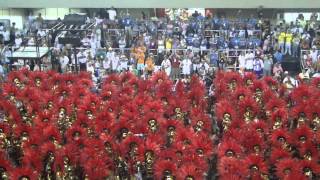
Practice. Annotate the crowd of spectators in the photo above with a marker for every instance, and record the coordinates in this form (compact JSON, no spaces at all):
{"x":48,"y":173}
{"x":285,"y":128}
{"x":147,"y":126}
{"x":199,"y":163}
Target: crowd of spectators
{"x":178,"y":45}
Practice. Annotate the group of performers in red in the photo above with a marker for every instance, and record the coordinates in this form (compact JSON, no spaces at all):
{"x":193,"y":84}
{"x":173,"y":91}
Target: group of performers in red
{"x":53,"y":126}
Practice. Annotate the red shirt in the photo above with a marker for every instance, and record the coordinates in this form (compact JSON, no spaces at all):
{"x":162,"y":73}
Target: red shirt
{"x":175,"y":62}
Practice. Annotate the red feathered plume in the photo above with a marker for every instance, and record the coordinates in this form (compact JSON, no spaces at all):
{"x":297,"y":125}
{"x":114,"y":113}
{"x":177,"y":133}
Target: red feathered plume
{"x":161,"y":167}
{"x":279,"y":137}
{"x":314,"y":110}
{"x":189,"y":170}
{"x":202,"y":147}
{"x":278,"y":154}
{"x":248,"y":102}
{"x":231,"y":166}
{"x":158,"y":77}
{"x":316,"y":82}
{"x":240,"y":91}
{"x":258,"y":86}
{"x":305,"y":165}
{"x":299,"y":110}
{"x":16,"y":74}
{"x":127,"y":143}
{"x":32,"y":159}
{"x":274,"y":104}
{"x":302,"y":135}
{"x":230,"y":149}
{"x":86,"y":83}
{"x":10,"y":90}
{"x":112,"y":79}
{"x":249,"y":76}
{"x":224,"y":107}
{"x":308,"y":151}
{"x":280,"y":115}
{"x":251,"y":140}
{"x":4,"y":162}
{"x":269,"y":81}
{"x":198,"y":117}
{"x":232,"y":77}
{"x":259,"y":126}
{"x":302,"y":93}
{"x":256,"y":166}
{"x":153,"y":144}
{"x":47,"y":148}
{"x":75,"y":134}
{"x":18,"y":173}
{"x":285,"y":167}
{"x":52,"y":132}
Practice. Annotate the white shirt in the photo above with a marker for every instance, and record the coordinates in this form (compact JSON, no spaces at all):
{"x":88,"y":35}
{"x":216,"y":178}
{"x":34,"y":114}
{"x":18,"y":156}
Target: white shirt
{"x":6,"y":35}
{"x":106,"y":64}
{"x":314,"y":55}
{"x":242,"y":61}
{"x":115,"y":62}
{"x":112,"y":14}
{"x":249,"y":61}
{"x":64,"y":61}
{"x":18,"y":42}
{"x":166,"y":64}
{"x":82,"y":58}
{"x":186,"y":66}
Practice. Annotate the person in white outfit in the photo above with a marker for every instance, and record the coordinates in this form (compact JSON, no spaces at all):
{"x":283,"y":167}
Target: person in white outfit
{"x":186,"y":65}
{"x":123,"y":63}
{"x":115,"y":62}
{"x":166,"y":66}
{"x":249,"y":61}
{"x":242,"y":62}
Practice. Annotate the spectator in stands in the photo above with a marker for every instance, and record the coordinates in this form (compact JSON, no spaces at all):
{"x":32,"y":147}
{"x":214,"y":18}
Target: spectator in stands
{"x":82,"y":59}
{"x":17,"y":41}
{"x":258,"y":66}
{"x":242,"y":61}
{"x":6,"y":36}
{"x":140,"y":63}
{"x":175,"y":63}
{"x":267,"y":65}
{"x":112,"y":14}
{"x":2,"y":72}
{"x":295,"y":45}
{"x":249,"y":61}
{"x":149,"y":65}
{"x":186,"y":65}
{"x":281,"y":41}
{"x":314,"y":54}
{"x":64,"y":60}
{"x":288,"y":41}
{"x":166,"y":66}
{"x":106,"y":64}
{"x":277,"y":71}
{"x":278,"y":56}
{"x":115,"y":62}
{"x":123,"y":63}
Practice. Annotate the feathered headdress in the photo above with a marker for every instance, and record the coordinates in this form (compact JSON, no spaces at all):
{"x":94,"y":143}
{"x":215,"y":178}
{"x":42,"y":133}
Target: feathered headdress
{"x":230,"y":149}
{"x":24,"y":172}
{"x":231,"y":166}
{"x":165,"y":168}
{"x":301,"y":93}
{"x":279,"y":118}
{"x":189,"y":170}
{"x":225,"y":107}
{"x":159,"y":77}
{"x":286,"y":167}
{"x":249,"y":78}
{"x":278,"y":154}
{"x":280,"y":137}
{"x":302,"y":135}
{"x":256,"y":166}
